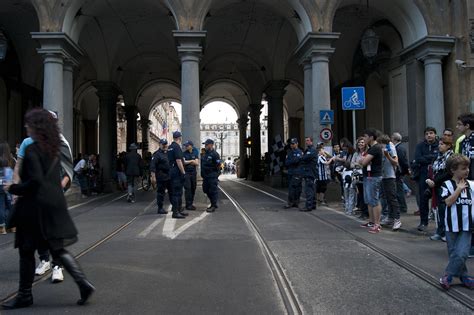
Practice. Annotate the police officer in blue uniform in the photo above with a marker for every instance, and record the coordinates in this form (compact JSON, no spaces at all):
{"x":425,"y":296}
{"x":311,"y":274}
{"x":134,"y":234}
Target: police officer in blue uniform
{"x":210,"y":171}
{"x":160,"y":166}
{"x":309,"y":167}
{"x":191,"y":161}
{"x":293,"y":163}
{"x":175,"y":157}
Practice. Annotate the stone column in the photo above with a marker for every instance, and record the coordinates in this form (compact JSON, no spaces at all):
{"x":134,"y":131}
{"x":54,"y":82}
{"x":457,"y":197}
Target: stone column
{"x":308,"y":100}
{"x":60,"y":54}
{"x":242,"y":121}
{"x":190,"y":48}
{"x":145,"y":125}
{"x":53,"y":89}
{"x":315,"y":49}
{"x":294,"y":124}
{"x":131,"y":116}
{"x":107,"y":93}
{"x":256,"y":153}
{"x":274,"y":95}
{"x":434,"y":97}
{"x":68,"y":103}
{"x":321,"y":93}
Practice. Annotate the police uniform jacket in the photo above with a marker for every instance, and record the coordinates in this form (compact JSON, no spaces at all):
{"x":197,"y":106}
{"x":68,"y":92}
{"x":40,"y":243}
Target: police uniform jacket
{"x":210,"y":163}
{"x":293,"y":162}
{"x":174,"y":153}
{"x":309,"y":162}
{"x":160,"y":165}
{"x":190,"y":156}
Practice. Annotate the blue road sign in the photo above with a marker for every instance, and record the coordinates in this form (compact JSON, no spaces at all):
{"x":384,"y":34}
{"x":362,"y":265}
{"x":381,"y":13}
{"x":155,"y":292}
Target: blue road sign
{"x":353,"y":98}
{"x":326,"y":117}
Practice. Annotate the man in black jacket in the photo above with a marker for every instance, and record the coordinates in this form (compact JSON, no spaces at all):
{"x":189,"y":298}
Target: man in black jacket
{"x":402,"y":169}
{"x":425,"y":153}
{"x":133,"y":169}
{"x":160,"y":166}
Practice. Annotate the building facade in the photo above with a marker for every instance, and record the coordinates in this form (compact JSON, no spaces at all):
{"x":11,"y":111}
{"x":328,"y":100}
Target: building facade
{"x":80,"y":57}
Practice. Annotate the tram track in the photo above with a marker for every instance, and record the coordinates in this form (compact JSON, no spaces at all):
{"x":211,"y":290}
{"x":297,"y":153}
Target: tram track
{"x":454,"y":293}
{"x":290,"y":300}
{"x":91,"y":247}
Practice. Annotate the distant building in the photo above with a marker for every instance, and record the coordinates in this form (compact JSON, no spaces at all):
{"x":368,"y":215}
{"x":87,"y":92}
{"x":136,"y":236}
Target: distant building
{"x":164,"y":120}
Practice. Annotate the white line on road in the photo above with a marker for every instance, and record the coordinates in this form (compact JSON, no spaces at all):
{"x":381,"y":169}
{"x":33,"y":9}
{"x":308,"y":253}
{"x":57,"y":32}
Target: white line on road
{"x":174,"y":234}
{"x":170,"y":223}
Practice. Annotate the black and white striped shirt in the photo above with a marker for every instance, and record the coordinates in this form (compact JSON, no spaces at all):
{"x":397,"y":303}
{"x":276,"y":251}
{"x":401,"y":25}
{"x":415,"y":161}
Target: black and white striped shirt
{"x":324,"y":171}
{"x":460,"y":215}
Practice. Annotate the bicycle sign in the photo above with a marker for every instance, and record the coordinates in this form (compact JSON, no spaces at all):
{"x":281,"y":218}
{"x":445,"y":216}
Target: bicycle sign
{"x":353,"y":98}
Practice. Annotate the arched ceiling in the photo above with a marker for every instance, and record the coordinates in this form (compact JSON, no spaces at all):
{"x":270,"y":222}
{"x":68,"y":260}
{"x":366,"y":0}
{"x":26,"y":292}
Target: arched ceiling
{"x":227,"y":91}
{"x":18,"y":18}
{"x":156,"y":91}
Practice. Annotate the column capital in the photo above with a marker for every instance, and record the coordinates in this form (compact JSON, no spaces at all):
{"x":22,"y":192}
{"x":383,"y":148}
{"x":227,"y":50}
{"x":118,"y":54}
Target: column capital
{"x":106,"y":89}
{"x":429,"y":47}
{"x":255,"y":110}
{"x":243,"y":121}
{"x":59,"y":44}
{"x":190,"y":43}
{"x":276,"y":88}
{"x":315,"y":44}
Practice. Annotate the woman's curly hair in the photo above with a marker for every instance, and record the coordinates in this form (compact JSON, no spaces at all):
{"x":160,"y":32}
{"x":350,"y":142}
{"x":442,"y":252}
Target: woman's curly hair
{"x":44,"y":130}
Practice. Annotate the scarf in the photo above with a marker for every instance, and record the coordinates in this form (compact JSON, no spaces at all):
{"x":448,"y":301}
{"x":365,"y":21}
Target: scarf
{"x":440,"y":163}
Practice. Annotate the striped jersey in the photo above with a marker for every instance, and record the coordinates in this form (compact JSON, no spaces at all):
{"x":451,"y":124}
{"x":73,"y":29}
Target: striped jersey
{"x":324,"y":173}
{"x":460,"y":215}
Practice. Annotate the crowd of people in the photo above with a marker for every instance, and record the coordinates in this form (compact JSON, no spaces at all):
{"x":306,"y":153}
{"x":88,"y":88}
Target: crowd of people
{"x":372,"y":179}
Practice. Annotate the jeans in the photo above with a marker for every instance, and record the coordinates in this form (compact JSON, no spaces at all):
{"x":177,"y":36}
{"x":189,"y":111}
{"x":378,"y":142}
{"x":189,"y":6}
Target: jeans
{"x":459,"y":244}
{"x":372,"y":186}
{"x":5,"y":206}
{"x":401,"y":195}
{"x":81,"y":177}
{"x":389,"y":189}
{"x":131,"y":185}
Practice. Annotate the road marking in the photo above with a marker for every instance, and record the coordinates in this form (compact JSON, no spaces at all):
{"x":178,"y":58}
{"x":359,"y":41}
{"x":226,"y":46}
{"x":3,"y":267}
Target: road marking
{"x":170,"y":223}
{"x":174,"y":234}
{"x":153,"y":225}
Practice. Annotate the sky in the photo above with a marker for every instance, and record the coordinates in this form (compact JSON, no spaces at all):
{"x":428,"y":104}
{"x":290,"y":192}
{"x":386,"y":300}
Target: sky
{"x":218,"y":112}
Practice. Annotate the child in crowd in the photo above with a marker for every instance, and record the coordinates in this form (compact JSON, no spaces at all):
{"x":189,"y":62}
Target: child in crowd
{"x":458,"y":194}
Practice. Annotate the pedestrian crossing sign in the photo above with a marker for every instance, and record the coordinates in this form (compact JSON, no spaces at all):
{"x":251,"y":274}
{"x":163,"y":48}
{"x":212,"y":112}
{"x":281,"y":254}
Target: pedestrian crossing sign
{"x":326,"y":117}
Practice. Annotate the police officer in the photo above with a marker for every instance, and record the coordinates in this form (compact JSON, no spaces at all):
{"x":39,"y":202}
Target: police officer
{"x":293,"y":163}
{"x":175,"y":157}
{"x":309,"y":167}
{"x":210,"y":170}
{"x":191,"y":161}
{"x":160,"y":166}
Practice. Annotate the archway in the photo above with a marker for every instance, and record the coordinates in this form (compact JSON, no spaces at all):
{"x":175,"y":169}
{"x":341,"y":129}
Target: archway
{"x":164,"y":118}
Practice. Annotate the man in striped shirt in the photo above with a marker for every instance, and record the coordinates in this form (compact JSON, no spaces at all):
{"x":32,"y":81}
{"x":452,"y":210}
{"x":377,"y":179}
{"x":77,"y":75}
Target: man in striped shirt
{"x":458,"y":194}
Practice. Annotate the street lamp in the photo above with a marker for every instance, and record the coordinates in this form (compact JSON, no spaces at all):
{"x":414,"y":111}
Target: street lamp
{"x":221,"y":136}
{"x":369,"y":43}
{"x":3,"y":45}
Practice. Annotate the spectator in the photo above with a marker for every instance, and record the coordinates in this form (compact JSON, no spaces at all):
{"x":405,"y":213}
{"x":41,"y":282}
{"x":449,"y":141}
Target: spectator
{"x":401,"y":171}
{"x":425,"y":153}
{"x":356,"y":165}
{"x":324,"y":175}
{"x":372,"y":171}
{"x":440,"y":175}
{"x":133,"y":169}
{"x":80,"y":170}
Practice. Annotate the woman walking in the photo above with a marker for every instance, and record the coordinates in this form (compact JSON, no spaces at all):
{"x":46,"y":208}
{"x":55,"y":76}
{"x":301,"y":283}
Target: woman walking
{"x":41,"y":216}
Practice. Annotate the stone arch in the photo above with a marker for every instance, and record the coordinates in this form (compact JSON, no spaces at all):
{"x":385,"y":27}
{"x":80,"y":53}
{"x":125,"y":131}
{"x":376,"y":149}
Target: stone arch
{"x":229,"y":91}
{"x":156,"y":91}
{"x":405,"y":15}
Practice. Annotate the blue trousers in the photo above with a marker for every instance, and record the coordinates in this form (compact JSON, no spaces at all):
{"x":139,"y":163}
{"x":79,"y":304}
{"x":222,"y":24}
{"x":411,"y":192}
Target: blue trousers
{"x":161,"y":187}
{"x":459,"y":244}
{"x":294,"y":190}
{"x":177,"y":182}
{"x":209,"y":186}
{"x":309,"y":192}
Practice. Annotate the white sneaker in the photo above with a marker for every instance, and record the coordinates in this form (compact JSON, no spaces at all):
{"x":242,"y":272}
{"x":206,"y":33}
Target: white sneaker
{"x":397,"y":224}
{"x":43,"y":266}
{"x":57,"y":275}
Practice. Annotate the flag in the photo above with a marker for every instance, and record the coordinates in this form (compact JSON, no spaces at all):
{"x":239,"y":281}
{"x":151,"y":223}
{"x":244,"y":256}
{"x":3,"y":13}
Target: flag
{"x":164,"y":132}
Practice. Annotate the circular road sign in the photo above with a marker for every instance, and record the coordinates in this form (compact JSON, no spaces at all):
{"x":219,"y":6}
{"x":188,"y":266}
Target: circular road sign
{"x":326,"y":134}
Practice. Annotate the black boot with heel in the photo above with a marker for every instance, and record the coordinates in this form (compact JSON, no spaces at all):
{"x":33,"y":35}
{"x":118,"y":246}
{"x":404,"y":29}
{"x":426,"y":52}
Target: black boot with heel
{"x":85,"y":287}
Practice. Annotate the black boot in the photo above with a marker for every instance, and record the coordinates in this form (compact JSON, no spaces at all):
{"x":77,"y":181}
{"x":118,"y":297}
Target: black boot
{"x":24,"y":297}
{"x":85,"y":287}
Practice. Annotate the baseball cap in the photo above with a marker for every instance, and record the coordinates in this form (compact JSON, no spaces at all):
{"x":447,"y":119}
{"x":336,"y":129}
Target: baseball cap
{"x":163,"y":141}
{"x":294,"y":141}
{"x":177,"y":134}
{"x":208,"y":141}
{"x":189,"y":142}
